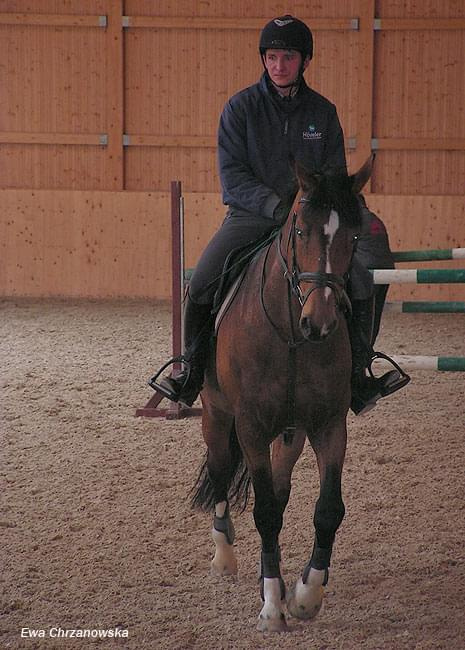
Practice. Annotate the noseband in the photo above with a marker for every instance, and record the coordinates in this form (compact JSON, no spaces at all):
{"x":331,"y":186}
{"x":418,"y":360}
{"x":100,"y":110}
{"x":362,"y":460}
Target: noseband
{"x":319,"y":279}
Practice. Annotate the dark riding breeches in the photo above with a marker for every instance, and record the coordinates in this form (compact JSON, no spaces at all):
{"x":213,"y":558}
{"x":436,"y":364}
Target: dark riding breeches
{"x":235,"y":231}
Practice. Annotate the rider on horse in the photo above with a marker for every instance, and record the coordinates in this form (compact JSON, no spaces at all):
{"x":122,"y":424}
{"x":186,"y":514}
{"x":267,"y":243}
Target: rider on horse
{"x":259,"y":129}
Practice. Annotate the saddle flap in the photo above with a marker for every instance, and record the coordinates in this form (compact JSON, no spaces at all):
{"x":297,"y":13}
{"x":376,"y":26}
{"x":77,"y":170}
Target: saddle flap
{"x":228,"y":299}
{"x":234,"y":270}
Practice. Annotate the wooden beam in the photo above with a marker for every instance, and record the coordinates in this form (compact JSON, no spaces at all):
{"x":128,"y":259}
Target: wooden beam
{"x":54,"y":138}
{"x":196,"y":22}
{"x":53,"y":20}
{"x":419,"y":144}
{"x":170,"y":141}
{"x":365,"y":86}
{"x":114,"y":93}
{"x":398,"y":24}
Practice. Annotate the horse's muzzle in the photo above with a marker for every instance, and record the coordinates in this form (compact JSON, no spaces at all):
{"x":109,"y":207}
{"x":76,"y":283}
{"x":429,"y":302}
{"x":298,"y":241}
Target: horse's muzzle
{"x":312,"y":331}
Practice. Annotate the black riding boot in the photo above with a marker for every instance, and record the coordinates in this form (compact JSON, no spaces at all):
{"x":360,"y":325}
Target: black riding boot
{"x":186,"y":386}
{"x":368,"y":389}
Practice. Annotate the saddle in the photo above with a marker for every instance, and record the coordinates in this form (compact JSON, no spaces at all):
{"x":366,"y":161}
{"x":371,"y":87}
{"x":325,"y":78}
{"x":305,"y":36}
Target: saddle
{"x":234,"y":270}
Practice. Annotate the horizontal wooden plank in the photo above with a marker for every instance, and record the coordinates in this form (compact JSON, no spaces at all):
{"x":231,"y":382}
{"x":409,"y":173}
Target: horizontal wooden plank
{"x":170,"y":140}
{"x":53,"y":138}
{"x":190,"y":141}
{"x":211,"y":22}
{"x":402,"y":24}
{"x":53,"y":20}
{"x":419,"y":144}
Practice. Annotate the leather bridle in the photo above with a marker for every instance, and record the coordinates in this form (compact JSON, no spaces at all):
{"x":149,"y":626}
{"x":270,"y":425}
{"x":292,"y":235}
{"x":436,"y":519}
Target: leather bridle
{"x":318,"y":279}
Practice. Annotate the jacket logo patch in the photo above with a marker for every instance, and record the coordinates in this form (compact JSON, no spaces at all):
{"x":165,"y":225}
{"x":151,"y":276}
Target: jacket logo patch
{"x":311,"y":133}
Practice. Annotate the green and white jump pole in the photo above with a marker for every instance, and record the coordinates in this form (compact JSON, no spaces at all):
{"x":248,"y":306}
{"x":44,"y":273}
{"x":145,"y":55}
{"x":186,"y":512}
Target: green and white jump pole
{"x":429,"y":255}
{"x":419,"y":362}
{"x":425,"y":276}
{"x":418,"y":276}
{"x":423,"y":307}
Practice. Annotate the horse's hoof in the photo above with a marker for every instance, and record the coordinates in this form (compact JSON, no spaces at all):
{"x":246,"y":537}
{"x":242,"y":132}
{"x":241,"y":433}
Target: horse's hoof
{"x":304,"y":604}
{"x":274,"y":624}
{"x":220,"y":570}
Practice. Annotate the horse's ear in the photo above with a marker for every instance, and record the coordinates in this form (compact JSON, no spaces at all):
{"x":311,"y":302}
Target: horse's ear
{"x":361,"y":177}
{"x":307,"y":180}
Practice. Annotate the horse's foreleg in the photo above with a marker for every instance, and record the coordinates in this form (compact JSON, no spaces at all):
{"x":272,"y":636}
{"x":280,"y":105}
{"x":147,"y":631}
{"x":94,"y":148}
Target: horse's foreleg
{"x":306,"y":597}
{"x":283,"y":459}
{"x":268,"y":520}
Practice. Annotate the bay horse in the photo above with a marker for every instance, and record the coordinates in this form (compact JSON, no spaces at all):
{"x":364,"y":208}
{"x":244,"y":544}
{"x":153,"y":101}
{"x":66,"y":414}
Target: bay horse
{"x":281,"y":374}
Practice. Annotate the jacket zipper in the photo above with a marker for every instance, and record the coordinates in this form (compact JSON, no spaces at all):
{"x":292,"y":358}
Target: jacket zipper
{"x":286,"y":124}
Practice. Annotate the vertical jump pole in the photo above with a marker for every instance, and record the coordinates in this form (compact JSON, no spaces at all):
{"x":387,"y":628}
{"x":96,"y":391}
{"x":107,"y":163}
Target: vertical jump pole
{"x":177,"y":269}
{"x":174,"y":410}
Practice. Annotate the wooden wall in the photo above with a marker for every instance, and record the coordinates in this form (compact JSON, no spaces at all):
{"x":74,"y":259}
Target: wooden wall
{"x":85,"y":243}
{"x":101,"y":244}
{"x":116,"y":98}
{"x":77,"y":77}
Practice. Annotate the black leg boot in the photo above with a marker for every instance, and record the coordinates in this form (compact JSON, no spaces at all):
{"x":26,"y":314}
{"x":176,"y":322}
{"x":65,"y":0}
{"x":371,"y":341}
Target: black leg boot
{"x":186,"y":386}
{"x":368,"y":389}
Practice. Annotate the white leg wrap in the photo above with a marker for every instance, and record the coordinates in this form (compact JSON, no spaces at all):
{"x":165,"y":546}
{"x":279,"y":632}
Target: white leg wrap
{"x":272,"y":618}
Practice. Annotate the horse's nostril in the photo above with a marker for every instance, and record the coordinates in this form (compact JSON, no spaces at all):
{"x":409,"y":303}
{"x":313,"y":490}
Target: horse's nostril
{"x":313,"y":332}
{"x":309,"y":331}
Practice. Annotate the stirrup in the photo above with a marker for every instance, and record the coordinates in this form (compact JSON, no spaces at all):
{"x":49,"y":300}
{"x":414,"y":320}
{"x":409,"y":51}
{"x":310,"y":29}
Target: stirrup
{"x":159,"y":388}
{"x":395,"y":383}
{"x":387,"y":384}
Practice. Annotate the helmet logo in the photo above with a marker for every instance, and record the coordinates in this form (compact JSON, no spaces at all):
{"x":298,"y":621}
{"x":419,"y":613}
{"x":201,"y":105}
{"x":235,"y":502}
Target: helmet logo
{"x":283,"y":23}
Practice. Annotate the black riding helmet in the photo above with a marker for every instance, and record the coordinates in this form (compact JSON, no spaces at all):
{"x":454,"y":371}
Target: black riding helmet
{"x":286,"y":33}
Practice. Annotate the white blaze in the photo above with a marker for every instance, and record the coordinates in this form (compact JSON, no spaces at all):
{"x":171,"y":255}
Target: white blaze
{"x":330,"y":230}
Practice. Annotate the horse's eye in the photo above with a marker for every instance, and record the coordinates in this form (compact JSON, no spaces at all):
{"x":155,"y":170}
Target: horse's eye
{"x":299,"y":232}
{"x":355,"y":239}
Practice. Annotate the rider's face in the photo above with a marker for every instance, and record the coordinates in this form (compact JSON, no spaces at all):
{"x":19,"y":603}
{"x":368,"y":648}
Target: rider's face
{"x":283,"y":66}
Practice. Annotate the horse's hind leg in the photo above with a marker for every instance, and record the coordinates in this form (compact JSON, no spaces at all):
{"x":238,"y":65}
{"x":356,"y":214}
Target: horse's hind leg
{"x":306,"y":597}
{"x":224,"y":561}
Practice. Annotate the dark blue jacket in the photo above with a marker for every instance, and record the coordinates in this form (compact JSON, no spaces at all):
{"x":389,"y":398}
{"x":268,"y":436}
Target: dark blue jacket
{"x":258,"y":131}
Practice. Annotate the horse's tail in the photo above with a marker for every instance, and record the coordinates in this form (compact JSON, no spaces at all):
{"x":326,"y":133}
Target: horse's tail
{"x":238,"y":486}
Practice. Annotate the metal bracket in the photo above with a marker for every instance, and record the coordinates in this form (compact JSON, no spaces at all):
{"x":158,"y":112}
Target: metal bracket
{"x":103,"y":139}
{"x":374,"y":144}
{"x":355,"y":24}
{"x":125,"y":21}
{"x":377,"y":24}
{"x":126,"y":140}
{"x":102,"y":21}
